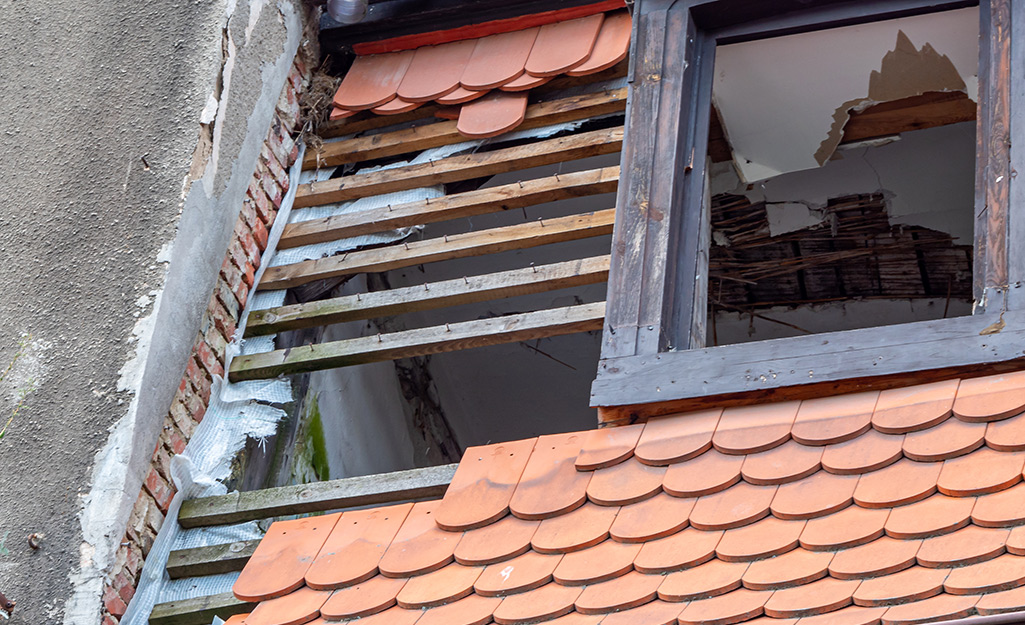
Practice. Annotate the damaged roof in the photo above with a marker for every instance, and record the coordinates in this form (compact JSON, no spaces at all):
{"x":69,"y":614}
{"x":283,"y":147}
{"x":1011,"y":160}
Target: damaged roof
{"x":900,"y":506}
{"x":484,"y":80}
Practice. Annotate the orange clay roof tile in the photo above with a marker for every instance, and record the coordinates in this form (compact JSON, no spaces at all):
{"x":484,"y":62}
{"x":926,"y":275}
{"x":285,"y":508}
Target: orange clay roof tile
{"x":395,"y":106}
{"x":460,"y":96}
{"x":498,"y":59}
{"x":676,"y":438}
{"x":791,"y":550}
{"x":494,"y":114}
{"x":834,"y":419}
{"x":1006,"y":435}
{"x":483,"y":485}
{"x":611,"y":46}
{"x":550,"y":484}
{"x":991,"y":398}
{"x":435,"y":71}
{"x":563,"y":46}
{"x":949,"y":439}
{"x":372,"y":80}
{"x":526,"y":82}
{"x":914,"y":408}
{"x":282,"y":558}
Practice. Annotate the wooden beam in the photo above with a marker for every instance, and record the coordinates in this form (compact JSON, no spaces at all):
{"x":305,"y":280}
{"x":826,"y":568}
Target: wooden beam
{"x":351,"y":492}
{"x":1016,"y":134}
{"x":774,"y":367}
{"x":211,"y":560}
{"x":464,"y":167}
{"x":445,"y":133}
{"x":420,"y":342}
{"x":915,"y":113}
{"x":198,"y":611}
{"x":429,"y":296}
{"x":520,"y":236}
{"x":455,"y":206}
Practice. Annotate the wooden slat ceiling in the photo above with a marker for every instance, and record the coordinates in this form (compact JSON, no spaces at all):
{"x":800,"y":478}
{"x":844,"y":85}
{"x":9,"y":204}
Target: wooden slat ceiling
{"x":460,"y":172}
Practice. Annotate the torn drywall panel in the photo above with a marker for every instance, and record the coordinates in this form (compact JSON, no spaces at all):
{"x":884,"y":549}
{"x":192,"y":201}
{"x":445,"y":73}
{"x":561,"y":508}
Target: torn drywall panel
{"x":783,"y":101}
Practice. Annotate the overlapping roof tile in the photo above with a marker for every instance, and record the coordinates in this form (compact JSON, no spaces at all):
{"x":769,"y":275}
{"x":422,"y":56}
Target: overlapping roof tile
{"x":488,"y":77}
{"x":710,"y":517}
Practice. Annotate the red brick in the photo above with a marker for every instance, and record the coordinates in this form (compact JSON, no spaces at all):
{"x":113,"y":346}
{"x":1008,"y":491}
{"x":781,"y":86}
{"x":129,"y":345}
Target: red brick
{"x":125,"y":588}
{"x":175,"y":441}
{"x":248,"y":213}
{"x":250,"y":275}
{"x":248,"y":241}
{"x":222,"y":319}
{"x":241,"y":292}
{"x":159,"y":488}
{"x":231,"y":274}
{"x":281,"y":145}
{"x":113,"y":603}
{"x":146,"y":541}
{"x":235,"y":250}
{"x":182,"y":418}
{"x":217,"y":342}
{"x":210,"y":361}
{"x":197,"y":374}
{"x":275,"y":167}
{"x":227,"y":299}
{"x":300,"y":65}
{"x":133,"y":562}
{"x":261,"y":235}
{"x":162,"y":461}
{"x":195,"y":406}
{"x":273,"y":191}
{"x":110,"y":620}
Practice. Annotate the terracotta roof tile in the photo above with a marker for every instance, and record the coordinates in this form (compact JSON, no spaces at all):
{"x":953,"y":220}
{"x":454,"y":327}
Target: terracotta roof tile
{"x":787,"y":463}
{"x":435,"y":70}
{"x":818,"y":597}
{"x":938,"y":514}
{"x":621,"y":593}
{"x":709,"y":473}
{"x":943,"y":607}
{"x":606,"y":447}
{"x":372,"y":80}
{"x":768,"y":537}
{"x":625,"y":483}
{"x":369,"y":597}
{"x":983,"y":472}
{"x":991,"y":398}
{"x":473,"y":610}
{"x":847,"y":528}
{"x":494,"y":114}
{"x":834,"y":419}
{"x":676,"y":438}
{"x":1007,"y":435}
{"x":966,"y":546}
{"x":751,"y":429}
{"x":419,"y":546}
{"x":526,"y":82}
{"x":679,"y":551}
{"x":949,"y":439}
{"x":738,"y":506}
{"x":1000,"y":509}
{"x":282,"y":558}
{"x":499,"y":541}
{"x":497,"y":59}
{"x":584,"y":527}
{"x":542,"y":604}
{"x":820,"y":494}
{"x":911,"y":584}
{"x":611,"y":46}
{"x":882,"y":556}
{"x":794,"y":568}
{"x":900,"y":483}
{"x":602,"y":562}
{"x":445,"y":585}
{"x":355,"y":546}
{"x":563,"y":46}
{"x":526,"y":572}
{"x":483,"y":485}
{"x":869,"y":452}
{"x":460,"y":96}
{"x":788,"y":552}
{"x":902,"y":410}
{"x":714,"y":578}
{"x":737,"y":607}
{"x":550,"y":484}
{"x":660,"y":516}
{"x":395,"y":106}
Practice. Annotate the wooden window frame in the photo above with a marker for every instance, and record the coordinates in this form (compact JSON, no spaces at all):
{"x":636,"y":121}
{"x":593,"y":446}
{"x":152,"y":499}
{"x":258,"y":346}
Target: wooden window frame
{"x":653,"y":357}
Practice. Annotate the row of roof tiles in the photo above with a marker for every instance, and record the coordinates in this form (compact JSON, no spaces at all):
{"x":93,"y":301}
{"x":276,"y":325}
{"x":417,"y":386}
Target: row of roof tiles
{"x":488,"y":77}
{"x":864,"y":507}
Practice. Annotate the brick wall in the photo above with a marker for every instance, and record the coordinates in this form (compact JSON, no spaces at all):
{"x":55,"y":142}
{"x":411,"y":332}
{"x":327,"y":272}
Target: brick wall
{"x":249,"y":240}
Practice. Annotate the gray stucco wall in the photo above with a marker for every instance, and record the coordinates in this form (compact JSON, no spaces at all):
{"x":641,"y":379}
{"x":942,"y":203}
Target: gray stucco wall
{"x":101,"y":106}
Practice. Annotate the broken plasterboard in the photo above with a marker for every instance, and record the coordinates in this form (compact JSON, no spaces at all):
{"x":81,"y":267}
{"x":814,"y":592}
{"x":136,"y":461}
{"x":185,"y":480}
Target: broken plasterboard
{"x":783,"y":101}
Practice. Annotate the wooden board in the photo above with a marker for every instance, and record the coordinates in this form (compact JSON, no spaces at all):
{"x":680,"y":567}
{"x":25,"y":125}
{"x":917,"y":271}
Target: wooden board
{"x":455,"y":206}
{"x":520,"y":236}
{"x":444,"y":133}
{"x":420,"y":342}
{"x":916,"y":113}
{"x":210,"y":560}
{"x":198,"y":611}
{"x":429,"y":296}
{"x":368,"y":490}
{"x":464,"y":167}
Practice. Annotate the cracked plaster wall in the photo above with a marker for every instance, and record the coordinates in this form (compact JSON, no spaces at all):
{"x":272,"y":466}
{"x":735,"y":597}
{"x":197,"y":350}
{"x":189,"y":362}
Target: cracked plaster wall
{"x":108,"y":255}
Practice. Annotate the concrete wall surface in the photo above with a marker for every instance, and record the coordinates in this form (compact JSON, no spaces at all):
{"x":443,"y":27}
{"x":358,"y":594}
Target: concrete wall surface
{"x":130,"y":133}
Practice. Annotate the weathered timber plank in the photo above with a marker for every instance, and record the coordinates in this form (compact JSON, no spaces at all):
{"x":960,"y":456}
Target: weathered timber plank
{"x":383,"y":488}
{"x":429,"y":296}
{"x":948,"y":344}
{"x":420,"y":342}
{"x":464,"y":167}
{"x":198,"y":611}
{"x":520,"y":236}
{"x":455,"y":206}
{"x":916,"y":113}
{"x":210,"y":560}
{"x":445,"y":133}
{"x":1016,"y":193}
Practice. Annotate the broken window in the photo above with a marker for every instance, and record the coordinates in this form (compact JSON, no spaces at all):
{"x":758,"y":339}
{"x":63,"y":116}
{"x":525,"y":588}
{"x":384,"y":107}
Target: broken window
{"x":842,"y":168}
